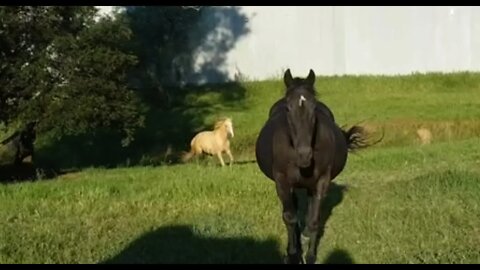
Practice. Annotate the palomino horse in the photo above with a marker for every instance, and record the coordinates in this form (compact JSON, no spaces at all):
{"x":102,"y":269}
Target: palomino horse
{"x":213,"y":142}
{"x":301,"y":146}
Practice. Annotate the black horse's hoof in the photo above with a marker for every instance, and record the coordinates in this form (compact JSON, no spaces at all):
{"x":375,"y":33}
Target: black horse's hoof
{"x":293,"y":259}
{"x":311,"y":259}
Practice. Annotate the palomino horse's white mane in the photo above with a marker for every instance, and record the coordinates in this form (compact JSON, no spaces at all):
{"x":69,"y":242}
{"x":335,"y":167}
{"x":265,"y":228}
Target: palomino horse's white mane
{"x":219,"y":124}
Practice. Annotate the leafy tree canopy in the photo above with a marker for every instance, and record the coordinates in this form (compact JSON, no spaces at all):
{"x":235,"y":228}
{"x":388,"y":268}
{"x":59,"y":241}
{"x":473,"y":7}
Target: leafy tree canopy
{"x":68,"y":71}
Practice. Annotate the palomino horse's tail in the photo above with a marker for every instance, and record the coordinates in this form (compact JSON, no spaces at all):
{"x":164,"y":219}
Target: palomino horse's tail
{"x":187,"y":155}
{"x":356,"y":138}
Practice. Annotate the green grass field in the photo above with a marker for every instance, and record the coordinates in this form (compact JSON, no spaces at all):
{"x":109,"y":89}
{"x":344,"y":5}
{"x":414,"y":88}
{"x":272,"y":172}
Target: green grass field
{"x":396,"y":202}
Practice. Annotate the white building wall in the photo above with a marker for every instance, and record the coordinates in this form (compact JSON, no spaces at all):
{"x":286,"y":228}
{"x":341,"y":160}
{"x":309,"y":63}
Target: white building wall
{"x":357,"y":40}
{"x":352,"y":40}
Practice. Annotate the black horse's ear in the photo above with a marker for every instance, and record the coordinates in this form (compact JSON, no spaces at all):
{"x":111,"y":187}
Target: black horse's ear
{"x":311,"y":77}
{"x":287,"y":78}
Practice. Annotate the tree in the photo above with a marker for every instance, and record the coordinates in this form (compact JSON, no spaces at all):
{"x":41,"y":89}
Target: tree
{"x":161,"y":53}
{"x":189,"y":44}
{"x":60,"y":66}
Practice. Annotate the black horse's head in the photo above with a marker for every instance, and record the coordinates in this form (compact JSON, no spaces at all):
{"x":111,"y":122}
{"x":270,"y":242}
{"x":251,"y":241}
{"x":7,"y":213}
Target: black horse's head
{"x":301,"y":102}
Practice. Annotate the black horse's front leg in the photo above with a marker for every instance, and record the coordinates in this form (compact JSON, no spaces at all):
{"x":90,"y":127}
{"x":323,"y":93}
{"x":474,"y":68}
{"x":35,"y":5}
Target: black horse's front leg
{"x":289,"y":215}
{"x":313,"y":227}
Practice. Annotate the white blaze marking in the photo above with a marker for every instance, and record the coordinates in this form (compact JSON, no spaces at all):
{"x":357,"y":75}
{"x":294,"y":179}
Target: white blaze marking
{"x":301,"y":100}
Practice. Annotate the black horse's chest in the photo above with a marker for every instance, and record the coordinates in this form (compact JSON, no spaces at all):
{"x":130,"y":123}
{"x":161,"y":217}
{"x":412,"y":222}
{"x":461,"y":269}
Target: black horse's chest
{"x":303,"y":177}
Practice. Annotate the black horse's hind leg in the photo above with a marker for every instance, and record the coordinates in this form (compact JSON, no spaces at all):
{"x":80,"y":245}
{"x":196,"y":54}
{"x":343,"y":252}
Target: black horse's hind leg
{"x":289,"y":214}
{"x":312,"y":228}
{"x":18,"y":156}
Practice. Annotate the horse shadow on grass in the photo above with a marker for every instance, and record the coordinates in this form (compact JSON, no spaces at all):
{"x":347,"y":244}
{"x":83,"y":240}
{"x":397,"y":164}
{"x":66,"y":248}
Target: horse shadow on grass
{"x":244,"y":162}
{"x":339,"y":256}
{"x":180,"y":245}
{"x":26,"y":171}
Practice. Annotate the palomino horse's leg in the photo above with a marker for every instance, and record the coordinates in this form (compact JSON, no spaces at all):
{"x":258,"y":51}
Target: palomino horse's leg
{"x":229,"y":153}
{"x":313,"y":217}
{"x":289,"y":214}
{"x":219,"y":155}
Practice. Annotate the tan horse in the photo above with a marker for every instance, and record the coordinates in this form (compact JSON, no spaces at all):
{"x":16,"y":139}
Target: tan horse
{"x":213,"y":142}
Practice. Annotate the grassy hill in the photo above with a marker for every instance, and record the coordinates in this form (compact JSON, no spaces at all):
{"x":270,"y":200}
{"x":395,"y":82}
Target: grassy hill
{"x":397,"y":202}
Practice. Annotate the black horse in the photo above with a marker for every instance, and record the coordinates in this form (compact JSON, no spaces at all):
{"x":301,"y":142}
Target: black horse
{"x":301,"y":146}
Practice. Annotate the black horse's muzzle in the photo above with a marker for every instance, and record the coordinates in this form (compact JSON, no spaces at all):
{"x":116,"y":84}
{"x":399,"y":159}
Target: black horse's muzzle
{"x":304,"y":156}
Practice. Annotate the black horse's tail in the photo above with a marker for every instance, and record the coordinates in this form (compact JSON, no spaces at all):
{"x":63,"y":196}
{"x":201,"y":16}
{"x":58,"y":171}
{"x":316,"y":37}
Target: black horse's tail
{"x":357,"y":138}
